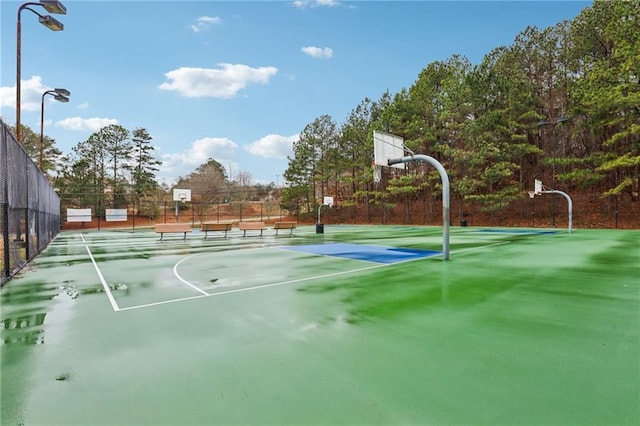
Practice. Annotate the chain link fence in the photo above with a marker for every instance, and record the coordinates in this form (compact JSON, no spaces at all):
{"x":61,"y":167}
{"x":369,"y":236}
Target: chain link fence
{"x":547,"y":211}
{"x":30,"y":208}
{"x":147,"y":212}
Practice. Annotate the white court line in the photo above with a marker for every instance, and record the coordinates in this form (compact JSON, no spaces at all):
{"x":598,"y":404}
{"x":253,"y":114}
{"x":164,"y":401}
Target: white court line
{"x":175,"y":272}
{"x":257,"y":287}
{"x":107,"y":290}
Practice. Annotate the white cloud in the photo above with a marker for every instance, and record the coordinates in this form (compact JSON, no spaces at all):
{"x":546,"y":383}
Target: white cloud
{"x":318,"y":52}
{"x":31,"y":94}
{"x":302,"y":4}
{"x":179,"y":164}
{"x":91,"y":124}
{"x":224,"y":82}
{"x":272,"y":146}
{"x":203,"y":23}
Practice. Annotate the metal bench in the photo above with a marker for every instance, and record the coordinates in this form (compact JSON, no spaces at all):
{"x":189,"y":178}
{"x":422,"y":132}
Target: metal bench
{"x":167,"y":228}
{"x":215,"y":227}
{"x":251,"y":226}
{"x":285,"y":225}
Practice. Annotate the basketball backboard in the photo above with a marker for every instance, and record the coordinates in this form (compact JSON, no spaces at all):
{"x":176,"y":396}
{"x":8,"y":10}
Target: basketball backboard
{"x":182,"y":195}
{"x":537,"y":186}
{"x":385,"y":147}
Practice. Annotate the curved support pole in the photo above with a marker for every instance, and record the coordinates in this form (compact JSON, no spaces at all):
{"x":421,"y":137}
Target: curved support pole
{"x":319,"y":207}
{"x":569,"y":203}
{"x":445,"y":194}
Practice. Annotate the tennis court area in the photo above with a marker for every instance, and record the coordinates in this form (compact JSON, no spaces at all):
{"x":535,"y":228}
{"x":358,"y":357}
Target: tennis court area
{"x":362,"y":325}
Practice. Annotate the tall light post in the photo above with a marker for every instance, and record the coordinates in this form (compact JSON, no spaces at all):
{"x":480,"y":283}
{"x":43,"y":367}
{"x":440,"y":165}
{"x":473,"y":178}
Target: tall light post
{"x":553,"y":124}
{"x":60,"y":95}
{"x":51,"y":6}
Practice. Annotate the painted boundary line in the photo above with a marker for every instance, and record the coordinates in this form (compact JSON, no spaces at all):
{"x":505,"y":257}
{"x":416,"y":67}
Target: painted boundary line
{"x":257,"y":287}
{"x":107,"y":290}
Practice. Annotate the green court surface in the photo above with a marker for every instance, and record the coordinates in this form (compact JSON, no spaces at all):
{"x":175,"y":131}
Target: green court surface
{"x":362,"y":325}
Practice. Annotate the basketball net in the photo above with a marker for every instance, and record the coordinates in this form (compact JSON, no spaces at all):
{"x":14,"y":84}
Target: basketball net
{"x":377,"y":174}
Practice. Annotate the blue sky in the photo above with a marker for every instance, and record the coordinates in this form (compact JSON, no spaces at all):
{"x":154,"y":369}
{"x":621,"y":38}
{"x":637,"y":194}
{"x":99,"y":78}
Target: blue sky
{"x":237,"y":81}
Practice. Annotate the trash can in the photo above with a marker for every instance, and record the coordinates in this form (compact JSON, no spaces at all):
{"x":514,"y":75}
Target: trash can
{"x":319,"y":228}
{"x":463,"y":223}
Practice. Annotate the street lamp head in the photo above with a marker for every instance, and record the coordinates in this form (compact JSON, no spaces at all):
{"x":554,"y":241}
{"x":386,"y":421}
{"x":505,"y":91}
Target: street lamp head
{"x":61,"y":98}
{"x":50,"y":22}
{"x":543,"y":123}
{"x":562,"y":120}
{"x":54,"y":6}
{"x":63,"y":92}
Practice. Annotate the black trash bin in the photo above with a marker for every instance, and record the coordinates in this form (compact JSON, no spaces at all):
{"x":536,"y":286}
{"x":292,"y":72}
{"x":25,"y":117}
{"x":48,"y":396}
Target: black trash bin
{"x":463,"y":223}
{"x":319,"y":228}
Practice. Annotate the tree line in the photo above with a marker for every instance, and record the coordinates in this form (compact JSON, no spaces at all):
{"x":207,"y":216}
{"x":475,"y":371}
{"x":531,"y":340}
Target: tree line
{"x":560,"y":104}
{"x":116,"y":168}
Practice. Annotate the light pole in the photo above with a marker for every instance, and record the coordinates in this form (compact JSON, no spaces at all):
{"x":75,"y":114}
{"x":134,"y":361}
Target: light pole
{"x":61,"y":95}
{"x":553,"y":124}
{"x":51,"y":6}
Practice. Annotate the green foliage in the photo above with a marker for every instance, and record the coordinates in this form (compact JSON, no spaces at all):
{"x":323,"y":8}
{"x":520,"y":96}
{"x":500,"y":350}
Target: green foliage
{"x":144,"y":164}
{"x":406,"y":185}
{"x":622,"y":162}
{"x":482,"y":121}
{"x":626,"y":184}
{"x":496,"y":200}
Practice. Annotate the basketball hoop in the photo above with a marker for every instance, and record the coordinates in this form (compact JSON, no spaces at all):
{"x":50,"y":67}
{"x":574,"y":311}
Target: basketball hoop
{"x":532,"y":194}
{"x":183,"y":198}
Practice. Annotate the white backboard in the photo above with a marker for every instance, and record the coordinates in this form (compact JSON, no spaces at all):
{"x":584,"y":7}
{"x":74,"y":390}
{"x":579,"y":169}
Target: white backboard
{"x":537,"y":188}
{"x":385,"y":147}
{"x":181,"y":195}
{"x":328,"y":201}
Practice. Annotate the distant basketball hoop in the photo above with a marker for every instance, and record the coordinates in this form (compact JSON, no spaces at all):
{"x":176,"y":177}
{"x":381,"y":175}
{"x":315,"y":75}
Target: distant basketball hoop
{"x":539,"y":189}
{"x":181,"y":195}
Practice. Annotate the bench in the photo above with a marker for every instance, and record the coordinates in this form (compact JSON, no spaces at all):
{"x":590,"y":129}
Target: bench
{"x":167,"y":228}
{"x":212,"y":227}
{"x":285,"y":225}
{"x":251,"y":226}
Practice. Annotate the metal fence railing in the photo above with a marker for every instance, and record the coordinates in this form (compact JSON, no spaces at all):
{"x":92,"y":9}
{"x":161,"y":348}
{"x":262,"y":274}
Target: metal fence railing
{"x":29,"y":207}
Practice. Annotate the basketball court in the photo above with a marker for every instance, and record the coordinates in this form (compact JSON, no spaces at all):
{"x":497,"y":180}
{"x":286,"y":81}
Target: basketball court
{"x":357,"y":325}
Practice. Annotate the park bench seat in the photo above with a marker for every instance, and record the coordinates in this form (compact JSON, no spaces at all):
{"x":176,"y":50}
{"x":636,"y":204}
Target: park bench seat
{"x":285,"y":225}
{"x":251,"y":226}
{"x":167,"y":228}
{"x":213,"y":227}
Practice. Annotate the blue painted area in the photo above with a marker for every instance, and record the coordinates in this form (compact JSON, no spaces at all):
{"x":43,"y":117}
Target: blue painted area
{"x":517,"y":231}
{"x":378,"y":254}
